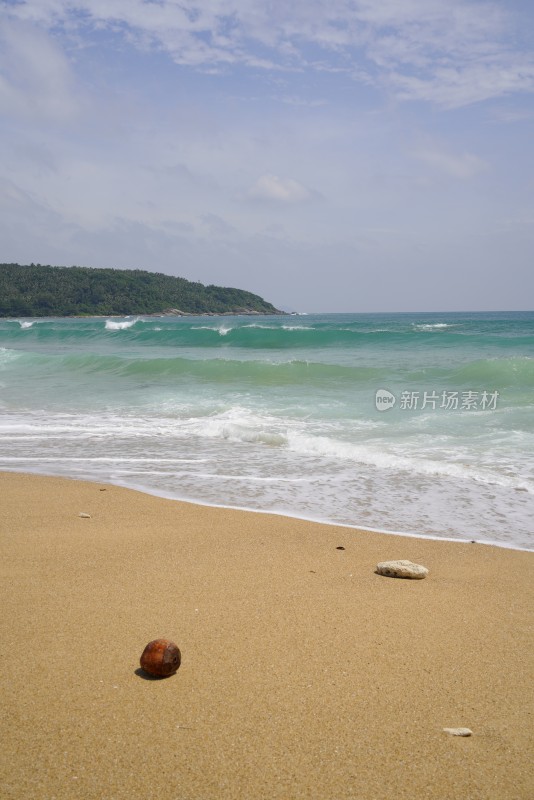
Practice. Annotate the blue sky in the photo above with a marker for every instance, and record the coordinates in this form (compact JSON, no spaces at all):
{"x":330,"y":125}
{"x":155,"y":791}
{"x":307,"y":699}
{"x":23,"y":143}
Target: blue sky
{"x":340,"y":155}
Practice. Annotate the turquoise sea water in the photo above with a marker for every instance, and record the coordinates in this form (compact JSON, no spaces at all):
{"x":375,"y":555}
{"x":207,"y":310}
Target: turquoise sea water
{"x":280,"y":414}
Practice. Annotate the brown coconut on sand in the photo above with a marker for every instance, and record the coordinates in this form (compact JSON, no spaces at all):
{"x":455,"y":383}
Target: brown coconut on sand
{"x":304,"y":674}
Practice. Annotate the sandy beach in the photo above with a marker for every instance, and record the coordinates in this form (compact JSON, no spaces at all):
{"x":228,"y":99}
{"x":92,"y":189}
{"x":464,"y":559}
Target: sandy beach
{"x":304,"y":674}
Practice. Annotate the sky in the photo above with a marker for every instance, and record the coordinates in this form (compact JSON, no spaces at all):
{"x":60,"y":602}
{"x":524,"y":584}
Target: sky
{"x":329,"y":155}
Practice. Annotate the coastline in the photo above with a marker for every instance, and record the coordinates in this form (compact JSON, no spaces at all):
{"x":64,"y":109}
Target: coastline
{"x":172,"y":313}
{"x":315,"y":520}
{"x":304,"y":674}
{"x":283,"y":514}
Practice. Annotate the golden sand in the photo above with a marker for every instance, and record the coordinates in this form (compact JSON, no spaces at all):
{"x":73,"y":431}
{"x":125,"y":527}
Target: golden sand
{"x":304,"y":674}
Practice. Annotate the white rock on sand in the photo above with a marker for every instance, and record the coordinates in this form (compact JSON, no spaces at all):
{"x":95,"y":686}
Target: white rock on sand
{"x":458,"y":731}
{"x":401,"y":569}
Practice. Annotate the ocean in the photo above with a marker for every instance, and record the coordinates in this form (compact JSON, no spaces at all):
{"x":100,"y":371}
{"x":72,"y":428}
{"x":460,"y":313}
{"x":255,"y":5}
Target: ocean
{"x":419,"y":423}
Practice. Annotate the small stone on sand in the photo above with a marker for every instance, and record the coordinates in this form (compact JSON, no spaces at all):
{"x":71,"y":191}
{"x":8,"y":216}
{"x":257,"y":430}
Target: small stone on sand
{"x":458,"y":731}
{"x":83,"y":515}
{"x":401,"y":569}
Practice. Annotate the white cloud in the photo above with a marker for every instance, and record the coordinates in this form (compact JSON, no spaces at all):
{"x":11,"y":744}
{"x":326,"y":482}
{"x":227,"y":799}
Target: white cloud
{"x":12,"y":196}
{"x":36,"y":79}
{"x":448,"y":53}
{"x":299,"y":102}
{"x":455,"y":86}
{"x":279,"y":190}
{"x":464,"y":165}
{"x":511,"y":115}
{"x":216,"y":227}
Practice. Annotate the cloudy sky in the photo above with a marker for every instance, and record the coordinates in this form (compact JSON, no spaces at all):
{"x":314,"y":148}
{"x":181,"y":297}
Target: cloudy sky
{"x":330,"y":155}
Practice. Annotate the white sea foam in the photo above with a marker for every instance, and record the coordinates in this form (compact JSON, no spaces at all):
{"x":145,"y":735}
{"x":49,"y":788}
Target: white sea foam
{"x":433,"y":327}
{"x":7,"y":355}
{"x":243,"y":426}
{"x":115,"y":325}
{"x":238,"y":425}
{"x":277,"y":464}
{"x":25,"y":324}
{"x":298,"y":328}
{"x":377,"y":456}
{"x":222,"y":330}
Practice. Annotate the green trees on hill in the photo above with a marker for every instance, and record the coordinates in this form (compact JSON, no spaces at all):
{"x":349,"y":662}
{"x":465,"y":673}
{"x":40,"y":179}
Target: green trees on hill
{"x":44,"y":291}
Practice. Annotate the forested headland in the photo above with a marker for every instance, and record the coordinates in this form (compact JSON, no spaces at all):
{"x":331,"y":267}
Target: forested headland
{"x":44,"y":291}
